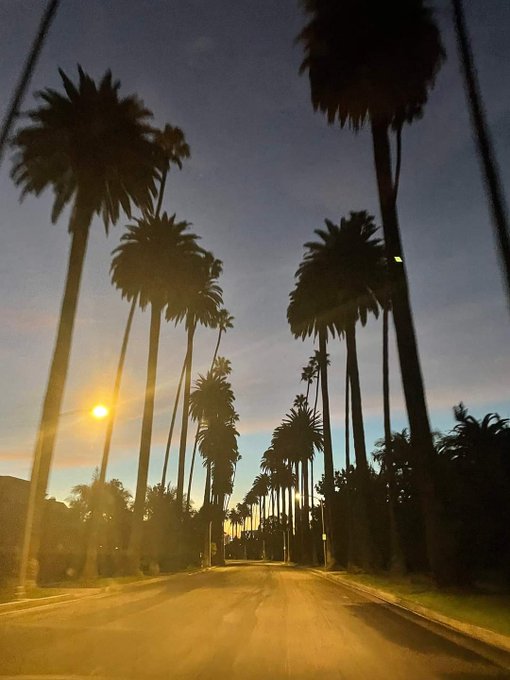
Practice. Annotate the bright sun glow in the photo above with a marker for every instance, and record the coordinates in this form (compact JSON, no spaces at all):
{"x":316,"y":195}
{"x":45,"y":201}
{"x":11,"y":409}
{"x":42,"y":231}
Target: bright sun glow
{"x":99,"y":411}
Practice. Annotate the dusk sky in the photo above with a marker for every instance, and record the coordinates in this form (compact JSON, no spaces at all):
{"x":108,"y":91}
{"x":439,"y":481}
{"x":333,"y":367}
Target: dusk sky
{"x":265,"y":171}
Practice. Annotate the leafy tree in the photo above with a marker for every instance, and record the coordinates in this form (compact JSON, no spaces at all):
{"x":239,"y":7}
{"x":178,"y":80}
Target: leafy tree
{"x":94,"y":149}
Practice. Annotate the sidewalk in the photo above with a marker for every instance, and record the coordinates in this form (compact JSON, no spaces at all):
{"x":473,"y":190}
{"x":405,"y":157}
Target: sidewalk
{"x":384,"y":593}
{"x":74,"y":592}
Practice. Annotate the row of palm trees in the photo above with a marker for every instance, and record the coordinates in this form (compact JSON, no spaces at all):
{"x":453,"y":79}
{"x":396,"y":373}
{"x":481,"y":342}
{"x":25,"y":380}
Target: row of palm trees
{"x":98,"y":151}
{"x":371,"y":62}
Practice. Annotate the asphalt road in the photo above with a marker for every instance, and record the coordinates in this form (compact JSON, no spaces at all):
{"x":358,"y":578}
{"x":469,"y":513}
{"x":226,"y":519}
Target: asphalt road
{"x":244,"y":621}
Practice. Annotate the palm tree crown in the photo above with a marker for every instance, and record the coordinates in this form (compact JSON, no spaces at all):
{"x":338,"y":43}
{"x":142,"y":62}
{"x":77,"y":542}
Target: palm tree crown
{"x":156,"y":260}
{"x":89,"y":144}
{"x":370,"y":59}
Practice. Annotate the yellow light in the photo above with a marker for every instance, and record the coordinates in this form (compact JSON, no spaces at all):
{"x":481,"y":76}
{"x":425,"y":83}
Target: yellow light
{"x":298,"y":496}
{"x":99,"y":411}
{"x":397,"y":258}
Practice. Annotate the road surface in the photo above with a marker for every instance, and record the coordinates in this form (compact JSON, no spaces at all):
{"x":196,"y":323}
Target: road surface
{"x":244,"y":621}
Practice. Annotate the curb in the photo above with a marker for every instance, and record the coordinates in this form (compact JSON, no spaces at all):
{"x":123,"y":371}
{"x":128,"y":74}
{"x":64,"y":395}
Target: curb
{"x":81,"y":593}
{"x":484,"y":635}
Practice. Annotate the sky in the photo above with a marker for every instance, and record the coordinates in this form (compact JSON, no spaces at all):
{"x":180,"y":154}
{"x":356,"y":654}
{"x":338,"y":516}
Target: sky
{"x":264,"y":172}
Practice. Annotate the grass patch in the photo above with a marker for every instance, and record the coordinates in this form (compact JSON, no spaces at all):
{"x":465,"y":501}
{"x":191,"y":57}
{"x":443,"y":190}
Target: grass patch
{"x":487,"y":610}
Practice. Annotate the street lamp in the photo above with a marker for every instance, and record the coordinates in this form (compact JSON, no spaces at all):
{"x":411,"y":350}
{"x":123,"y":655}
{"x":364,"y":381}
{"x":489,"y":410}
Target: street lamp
{"x":324,"y":536}
{"x":99,"y":411}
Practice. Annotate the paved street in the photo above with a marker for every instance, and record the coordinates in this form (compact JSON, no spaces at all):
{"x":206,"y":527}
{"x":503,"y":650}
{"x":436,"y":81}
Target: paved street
{"x":242,"y":621}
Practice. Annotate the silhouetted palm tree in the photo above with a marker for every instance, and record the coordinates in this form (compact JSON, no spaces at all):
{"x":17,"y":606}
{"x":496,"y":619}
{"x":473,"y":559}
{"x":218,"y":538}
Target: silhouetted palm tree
{"x":376,"y":61}
{"x":95,"y":150}
{"x":350,"y":262}
{"x":310,"y":313}
{"x":297,"y":438}
{"x":172,"y":147}
{"x":200,"y":305}
{"x":157,"y":261}
{"x":212,"y":398}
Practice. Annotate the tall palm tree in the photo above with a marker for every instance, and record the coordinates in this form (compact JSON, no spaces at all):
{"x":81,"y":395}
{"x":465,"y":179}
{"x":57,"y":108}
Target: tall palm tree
{"x":157,"y":261}
{"x":95,"y":149}
{"x":224,"y":322}
{"x":311,"y":314}
{"x":212,"y":398}
{"x":484,"y":143}
{"x":172,"y":148}
{"x":299,"y":435}
{"x":218,"y":444}
{"x":200,"y":305}
{"x":376,"y":61}
{"x":351,"y":264}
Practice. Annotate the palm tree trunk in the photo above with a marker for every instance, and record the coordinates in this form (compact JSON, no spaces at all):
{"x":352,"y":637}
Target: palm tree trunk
{"x":185,"y":418}
{"x":397,"y":564}
{"x":307,"y":552}
{"x":135,"y":541}
{"x":161,"y":190}
{"x":45,"y":442}
{"x":216,"y":348}
{"x":172,"y":424}
{"x":290,"y":542}
{"x":19,"y":93}
{"x":329,"y":474}
{"x":90,"y":566}
{"x":348,"y":462}
{"x":412,"y":381}
{"x":485,"y":147}
{"x":190,"y":481}
{"x":365,"y":551}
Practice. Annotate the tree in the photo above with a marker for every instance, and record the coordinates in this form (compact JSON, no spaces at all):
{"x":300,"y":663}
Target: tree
{"x":349,"y":262}
{"x":311,"y":311}
{"x":95,"y":149}
{"x":200,"y":304}
{"x":373,"y":61}
{"x":212,"y":398}
{"x":297,"y":438}
{"x":157,"y":261}
{"x":172,"y":147}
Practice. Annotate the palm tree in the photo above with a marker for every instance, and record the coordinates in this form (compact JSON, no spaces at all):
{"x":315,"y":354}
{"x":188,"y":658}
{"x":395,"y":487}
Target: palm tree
{"x":351,"y":264}
{"x":157,"y":261}
{"x":94,"y":149}
{"x":172,"y":147}
{"x":297,"y":438}
{"x":218,"y":445}
{"x":485,"y":147}
{"x":211,"y":399}
{"x":375,"y":61}
{"x":200,"y":304}
{"x":312,"y":314}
